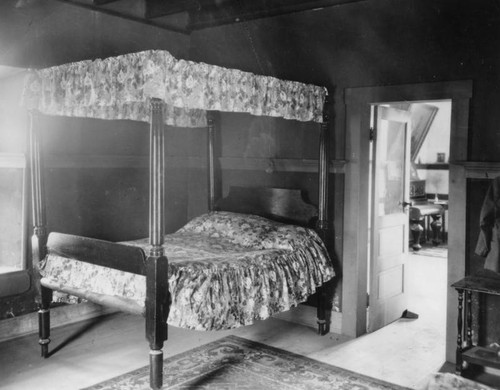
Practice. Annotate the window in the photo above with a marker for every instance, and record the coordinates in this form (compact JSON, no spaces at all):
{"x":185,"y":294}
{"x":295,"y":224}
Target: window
{"x":14,"y":277}
{"x":14,"y":189}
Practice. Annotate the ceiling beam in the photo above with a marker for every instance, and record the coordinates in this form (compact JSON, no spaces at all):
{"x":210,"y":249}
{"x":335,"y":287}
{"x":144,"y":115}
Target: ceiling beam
{"x":159,"y":8}
{"x":127,"y":16}
{"x":101,"y":2}
{"x":239,"y":11}
{"x":201,"y":13}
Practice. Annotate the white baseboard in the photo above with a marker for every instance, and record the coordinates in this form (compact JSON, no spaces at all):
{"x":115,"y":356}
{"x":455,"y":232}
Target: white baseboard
{"x":11,"y":328}
{"x":306,"y":315}
{"x":492,"y":371}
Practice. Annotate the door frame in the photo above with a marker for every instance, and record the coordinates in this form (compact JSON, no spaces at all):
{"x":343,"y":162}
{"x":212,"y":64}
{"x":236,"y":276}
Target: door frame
{"x":356,"y":196}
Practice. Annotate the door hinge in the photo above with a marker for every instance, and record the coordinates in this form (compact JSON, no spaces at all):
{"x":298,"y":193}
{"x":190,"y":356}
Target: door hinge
{"x":372,"y":133}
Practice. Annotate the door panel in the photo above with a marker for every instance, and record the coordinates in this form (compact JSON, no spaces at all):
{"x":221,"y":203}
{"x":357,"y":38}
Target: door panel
{"x":391,"y":282}
{"x":390,"y":242}
{"x":389,"y":248}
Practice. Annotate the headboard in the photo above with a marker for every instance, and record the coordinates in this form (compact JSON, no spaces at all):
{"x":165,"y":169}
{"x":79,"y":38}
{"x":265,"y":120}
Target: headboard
{"x":278,"y":204}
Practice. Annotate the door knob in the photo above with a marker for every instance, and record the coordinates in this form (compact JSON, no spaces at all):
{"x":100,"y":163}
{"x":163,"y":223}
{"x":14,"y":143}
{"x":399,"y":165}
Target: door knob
{"x":405,"y":204}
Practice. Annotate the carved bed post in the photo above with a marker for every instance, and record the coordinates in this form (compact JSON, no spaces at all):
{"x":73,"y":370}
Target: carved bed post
{"x":39,"y":238}
{"x":157,"y":295}
{"x":211,"y":160}
{"x":322,"y":225}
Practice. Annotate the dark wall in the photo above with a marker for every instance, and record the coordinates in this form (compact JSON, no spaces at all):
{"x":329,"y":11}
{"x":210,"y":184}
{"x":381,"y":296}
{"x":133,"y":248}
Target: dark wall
{"x":111,"y":200}
{"x":47,"y":32}
{"x":374,"y":43}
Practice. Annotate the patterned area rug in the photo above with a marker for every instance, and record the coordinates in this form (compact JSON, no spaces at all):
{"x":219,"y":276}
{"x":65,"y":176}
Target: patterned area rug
{"x":236,"y":363}
{"x":448,"y":381}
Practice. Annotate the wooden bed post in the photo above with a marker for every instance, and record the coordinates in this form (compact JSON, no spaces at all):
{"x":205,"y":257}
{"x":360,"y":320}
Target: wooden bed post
{"x":211,"y":160}
{"x":157,"y":295}
{"x":39,"y":238}
{"x":322,"y":225}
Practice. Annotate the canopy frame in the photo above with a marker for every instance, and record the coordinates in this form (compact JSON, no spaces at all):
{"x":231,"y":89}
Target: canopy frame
{"x":156,"y":263}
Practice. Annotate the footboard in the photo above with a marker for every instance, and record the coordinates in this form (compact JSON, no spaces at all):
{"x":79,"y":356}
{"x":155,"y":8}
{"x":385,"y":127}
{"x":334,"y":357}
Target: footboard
{"x":98,"y":252}
{"x":122,"y":257}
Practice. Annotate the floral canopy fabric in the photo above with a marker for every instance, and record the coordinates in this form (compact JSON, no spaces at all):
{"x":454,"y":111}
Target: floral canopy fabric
{"x":122,"y":87}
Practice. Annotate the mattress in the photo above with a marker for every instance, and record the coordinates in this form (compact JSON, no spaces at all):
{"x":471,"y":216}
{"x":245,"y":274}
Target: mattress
{"x":225,"y":270}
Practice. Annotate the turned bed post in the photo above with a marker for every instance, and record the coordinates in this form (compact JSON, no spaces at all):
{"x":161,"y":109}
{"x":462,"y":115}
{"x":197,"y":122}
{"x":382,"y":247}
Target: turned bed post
{"x":322,"y":225}
{"x":157,"y":295}
{"x":39,"y":238}
{"x":211,"y":160}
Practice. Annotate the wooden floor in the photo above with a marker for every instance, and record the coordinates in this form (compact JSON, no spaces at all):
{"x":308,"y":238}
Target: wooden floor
{"x":89,"y":352}
{"x":404,"y":352}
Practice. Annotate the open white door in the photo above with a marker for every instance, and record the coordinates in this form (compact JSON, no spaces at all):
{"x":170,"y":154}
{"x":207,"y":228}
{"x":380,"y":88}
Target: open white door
{"x":389,"y":238}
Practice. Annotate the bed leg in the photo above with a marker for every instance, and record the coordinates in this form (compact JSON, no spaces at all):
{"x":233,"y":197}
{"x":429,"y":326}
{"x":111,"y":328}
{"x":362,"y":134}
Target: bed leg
{"x":157,"y":295}
{"x":156,"y":369}
{"x":157,"y":309}
{"x":44,"y":321}
{"x":322,"y":323}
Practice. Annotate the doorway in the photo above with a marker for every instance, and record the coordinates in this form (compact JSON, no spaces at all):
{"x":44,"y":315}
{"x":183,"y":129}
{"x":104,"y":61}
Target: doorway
{"x":357,"y":213}
{"x":409,"y":191}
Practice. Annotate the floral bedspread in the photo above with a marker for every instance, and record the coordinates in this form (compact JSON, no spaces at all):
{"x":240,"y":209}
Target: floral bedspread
{"x":225,"y":270}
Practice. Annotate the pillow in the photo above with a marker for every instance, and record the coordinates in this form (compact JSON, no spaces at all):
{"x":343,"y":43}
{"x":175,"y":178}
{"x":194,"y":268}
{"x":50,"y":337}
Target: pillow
{"x":245,"y":229}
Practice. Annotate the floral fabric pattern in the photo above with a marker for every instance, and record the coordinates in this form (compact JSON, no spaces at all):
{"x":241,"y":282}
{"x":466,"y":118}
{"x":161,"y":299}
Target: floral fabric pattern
{"x":449,"y":381}
{"x":122,"y":87}
{"x":225,"y":270}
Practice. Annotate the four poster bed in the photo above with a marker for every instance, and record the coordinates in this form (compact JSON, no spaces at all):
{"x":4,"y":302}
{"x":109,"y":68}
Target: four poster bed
{"x":234,"y":265}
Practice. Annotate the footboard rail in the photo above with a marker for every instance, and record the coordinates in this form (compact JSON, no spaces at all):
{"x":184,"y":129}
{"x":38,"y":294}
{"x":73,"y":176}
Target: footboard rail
{"x":122,"y":257}
{"x":127,"y":258}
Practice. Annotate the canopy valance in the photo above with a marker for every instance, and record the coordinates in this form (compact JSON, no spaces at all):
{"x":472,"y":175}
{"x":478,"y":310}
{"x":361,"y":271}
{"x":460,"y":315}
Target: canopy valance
{"x":121,"y":88}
